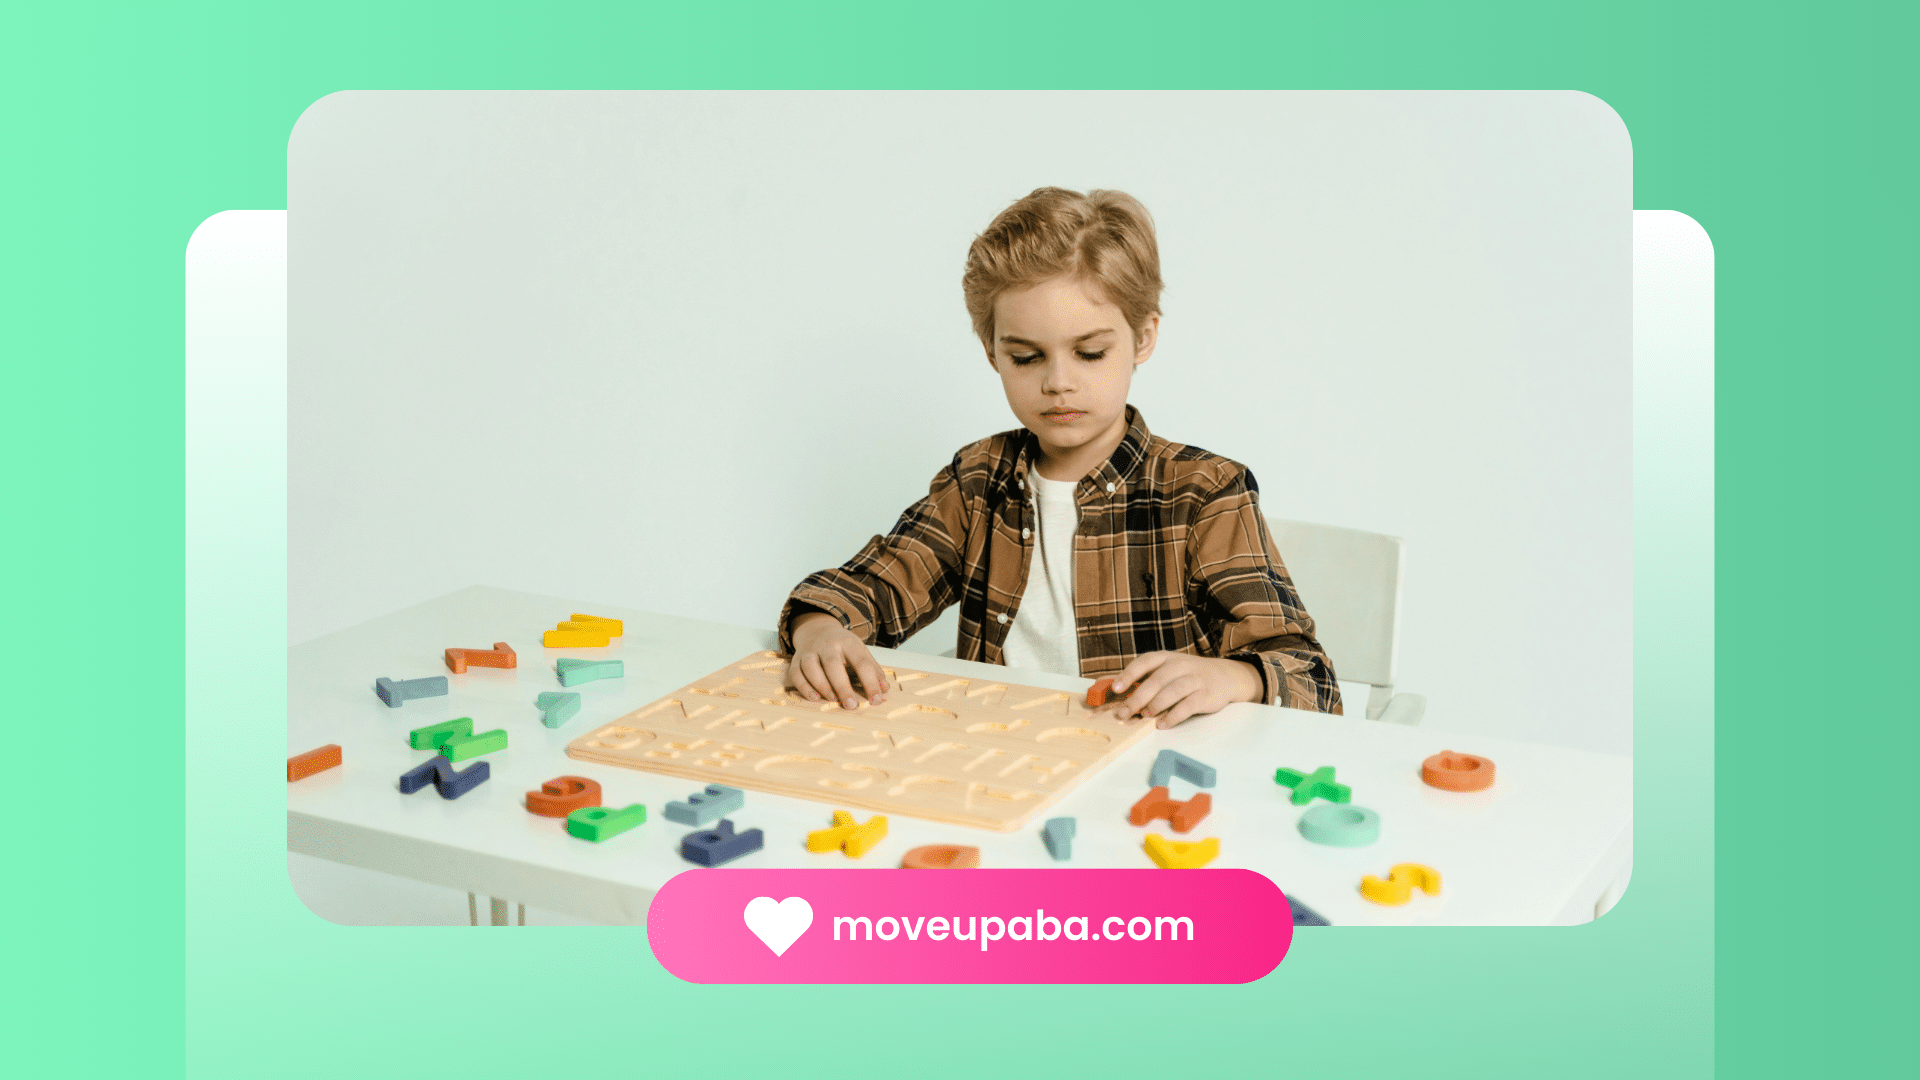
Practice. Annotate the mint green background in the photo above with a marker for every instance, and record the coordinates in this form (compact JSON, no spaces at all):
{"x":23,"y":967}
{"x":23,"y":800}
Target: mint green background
{"x":1783,"y":130}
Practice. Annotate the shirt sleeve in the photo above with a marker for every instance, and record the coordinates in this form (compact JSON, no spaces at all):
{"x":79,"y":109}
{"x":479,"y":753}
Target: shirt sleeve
{"x":1247,"y":605}
{"x":898,"y":583}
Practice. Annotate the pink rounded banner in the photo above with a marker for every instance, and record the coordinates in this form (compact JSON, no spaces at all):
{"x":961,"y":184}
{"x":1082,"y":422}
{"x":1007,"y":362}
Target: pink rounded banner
{"x":969,"y":926}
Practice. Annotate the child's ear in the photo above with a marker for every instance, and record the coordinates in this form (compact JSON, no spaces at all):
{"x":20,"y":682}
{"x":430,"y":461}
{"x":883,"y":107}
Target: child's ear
{"x":1149,"y":337}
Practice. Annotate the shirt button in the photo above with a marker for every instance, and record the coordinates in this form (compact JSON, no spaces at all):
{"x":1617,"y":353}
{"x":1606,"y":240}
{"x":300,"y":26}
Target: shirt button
{"x":1024,"y":533}
{"x":1109,"y":489}
{"x":1003,"y":618}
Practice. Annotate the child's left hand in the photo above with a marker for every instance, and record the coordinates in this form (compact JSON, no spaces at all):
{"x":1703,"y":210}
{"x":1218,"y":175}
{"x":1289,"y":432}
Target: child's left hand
{"x":1174,"y":687}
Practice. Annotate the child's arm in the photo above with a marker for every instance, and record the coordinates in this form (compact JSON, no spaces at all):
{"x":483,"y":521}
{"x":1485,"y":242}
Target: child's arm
{"x":1252,"y":616}
{"x":897,"y":584}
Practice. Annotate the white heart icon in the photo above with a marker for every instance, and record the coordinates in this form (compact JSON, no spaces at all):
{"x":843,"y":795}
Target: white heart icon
{"x":780,"y":924}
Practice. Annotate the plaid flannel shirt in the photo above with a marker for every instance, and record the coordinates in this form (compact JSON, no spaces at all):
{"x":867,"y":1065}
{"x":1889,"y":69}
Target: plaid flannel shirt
{"x":1172,"y":553}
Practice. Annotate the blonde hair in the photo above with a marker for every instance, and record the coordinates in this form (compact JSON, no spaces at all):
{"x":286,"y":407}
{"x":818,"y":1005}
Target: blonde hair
{"x":1103,"y":237}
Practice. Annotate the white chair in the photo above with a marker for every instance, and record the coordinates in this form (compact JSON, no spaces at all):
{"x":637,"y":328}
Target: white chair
{"x":1350,"y":582}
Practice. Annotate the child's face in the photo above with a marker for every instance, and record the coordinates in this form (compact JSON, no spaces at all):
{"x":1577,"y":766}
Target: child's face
{"x":1066,"y":357}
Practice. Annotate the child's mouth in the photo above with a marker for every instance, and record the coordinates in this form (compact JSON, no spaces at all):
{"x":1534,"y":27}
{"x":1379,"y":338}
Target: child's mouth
{"x":1063,"y":417}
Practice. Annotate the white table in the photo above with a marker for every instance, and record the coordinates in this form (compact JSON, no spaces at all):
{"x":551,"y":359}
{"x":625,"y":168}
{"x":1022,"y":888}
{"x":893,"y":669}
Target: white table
{"x":1541,"y":846}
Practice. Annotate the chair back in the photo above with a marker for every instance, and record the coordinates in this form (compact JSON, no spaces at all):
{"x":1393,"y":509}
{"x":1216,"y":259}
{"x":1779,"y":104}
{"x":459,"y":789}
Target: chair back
{"x":1350,"y":582}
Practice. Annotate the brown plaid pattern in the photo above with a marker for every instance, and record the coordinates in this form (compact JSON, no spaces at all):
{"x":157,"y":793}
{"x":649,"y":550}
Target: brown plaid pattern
{"x":1172,"y":553}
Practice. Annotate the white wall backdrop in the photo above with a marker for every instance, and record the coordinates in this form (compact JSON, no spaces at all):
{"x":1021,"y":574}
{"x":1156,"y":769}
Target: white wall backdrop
{"x":677,"y":350}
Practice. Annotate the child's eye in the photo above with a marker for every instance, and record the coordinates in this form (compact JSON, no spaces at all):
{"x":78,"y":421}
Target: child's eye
{"x":1028,"y":359}
{"x":1093,"y":355}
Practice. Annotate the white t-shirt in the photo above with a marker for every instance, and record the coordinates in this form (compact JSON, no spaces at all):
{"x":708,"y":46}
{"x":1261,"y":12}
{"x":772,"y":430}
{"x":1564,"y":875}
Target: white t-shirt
{"x":1044,"y":635}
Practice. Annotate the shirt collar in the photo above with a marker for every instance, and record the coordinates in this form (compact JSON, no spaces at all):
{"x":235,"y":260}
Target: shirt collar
{"x":1117,"y":470}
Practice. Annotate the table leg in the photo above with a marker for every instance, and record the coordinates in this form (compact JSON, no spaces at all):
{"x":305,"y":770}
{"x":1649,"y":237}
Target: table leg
{"x":499,"y":911}
{"x":473,"y":912}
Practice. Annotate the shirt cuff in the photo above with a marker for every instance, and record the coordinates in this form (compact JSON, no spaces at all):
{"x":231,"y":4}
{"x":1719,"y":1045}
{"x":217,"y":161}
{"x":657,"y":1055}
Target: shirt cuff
{"x":1272,"y":681}
{"x":807,"y":599}
{"x":1286,"y":680}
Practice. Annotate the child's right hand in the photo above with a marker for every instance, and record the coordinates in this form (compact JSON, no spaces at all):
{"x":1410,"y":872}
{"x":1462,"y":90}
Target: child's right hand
{"x":823,"y":653}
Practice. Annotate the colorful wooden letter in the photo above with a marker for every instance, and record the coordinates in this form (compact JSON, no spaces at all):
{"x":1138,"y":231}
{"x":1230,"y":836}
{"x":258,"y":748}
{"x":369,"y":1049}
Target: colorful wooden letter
{"x":562,"y":795}
{"x":1449,"y":771}
{"x":1183,"y":816}
{"x":462,"y":747}
{"x":1180,"y":855}
{"x":439,"y":772}
{"x":941,"y":857}
{"x":1058,"y":834}
{"x":720,"y":844}
{"x":557,"y":707}
{"x":609,"y":627}
{"x":1400,"y":883}
{"x":1338,"y":825}
{"x":434,"y":736}
{"x":1101,"y":693}
{"x":1171,"y":763}
{"x":854,"y":839}
{"x":574,"y":671}
{"x":717,"y":801}
{"x":501,"y":656}
{"x":1307,"y":785}
{"x":301,"y":766}
{"x":396,"y":694}
{"x":1304,"y":915}
{"x":597,"y":823}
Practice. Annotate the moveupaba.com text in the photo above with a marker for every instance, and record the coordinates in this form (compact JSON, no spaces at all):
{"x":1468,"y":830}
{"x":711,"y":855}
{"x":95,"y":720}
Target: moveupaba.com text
{"x":991,"y":928}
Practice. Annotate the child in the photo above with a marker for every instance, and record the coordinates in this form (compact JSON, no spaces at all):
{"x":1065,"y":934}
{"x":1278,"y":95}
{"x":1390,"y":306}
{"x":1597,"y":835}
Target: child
{"x":1078,"y":543}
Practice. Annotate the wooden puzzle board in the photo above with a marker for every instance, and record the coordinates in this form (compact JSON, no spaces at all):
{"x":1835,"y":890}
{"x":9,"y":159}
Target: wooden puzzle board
{"x":971,"y":751}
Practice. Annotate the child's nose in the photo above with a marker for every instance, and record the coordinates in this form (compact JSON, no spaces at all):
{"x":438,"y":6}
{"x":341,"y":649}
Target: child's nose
{"x":1059,"y":378}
